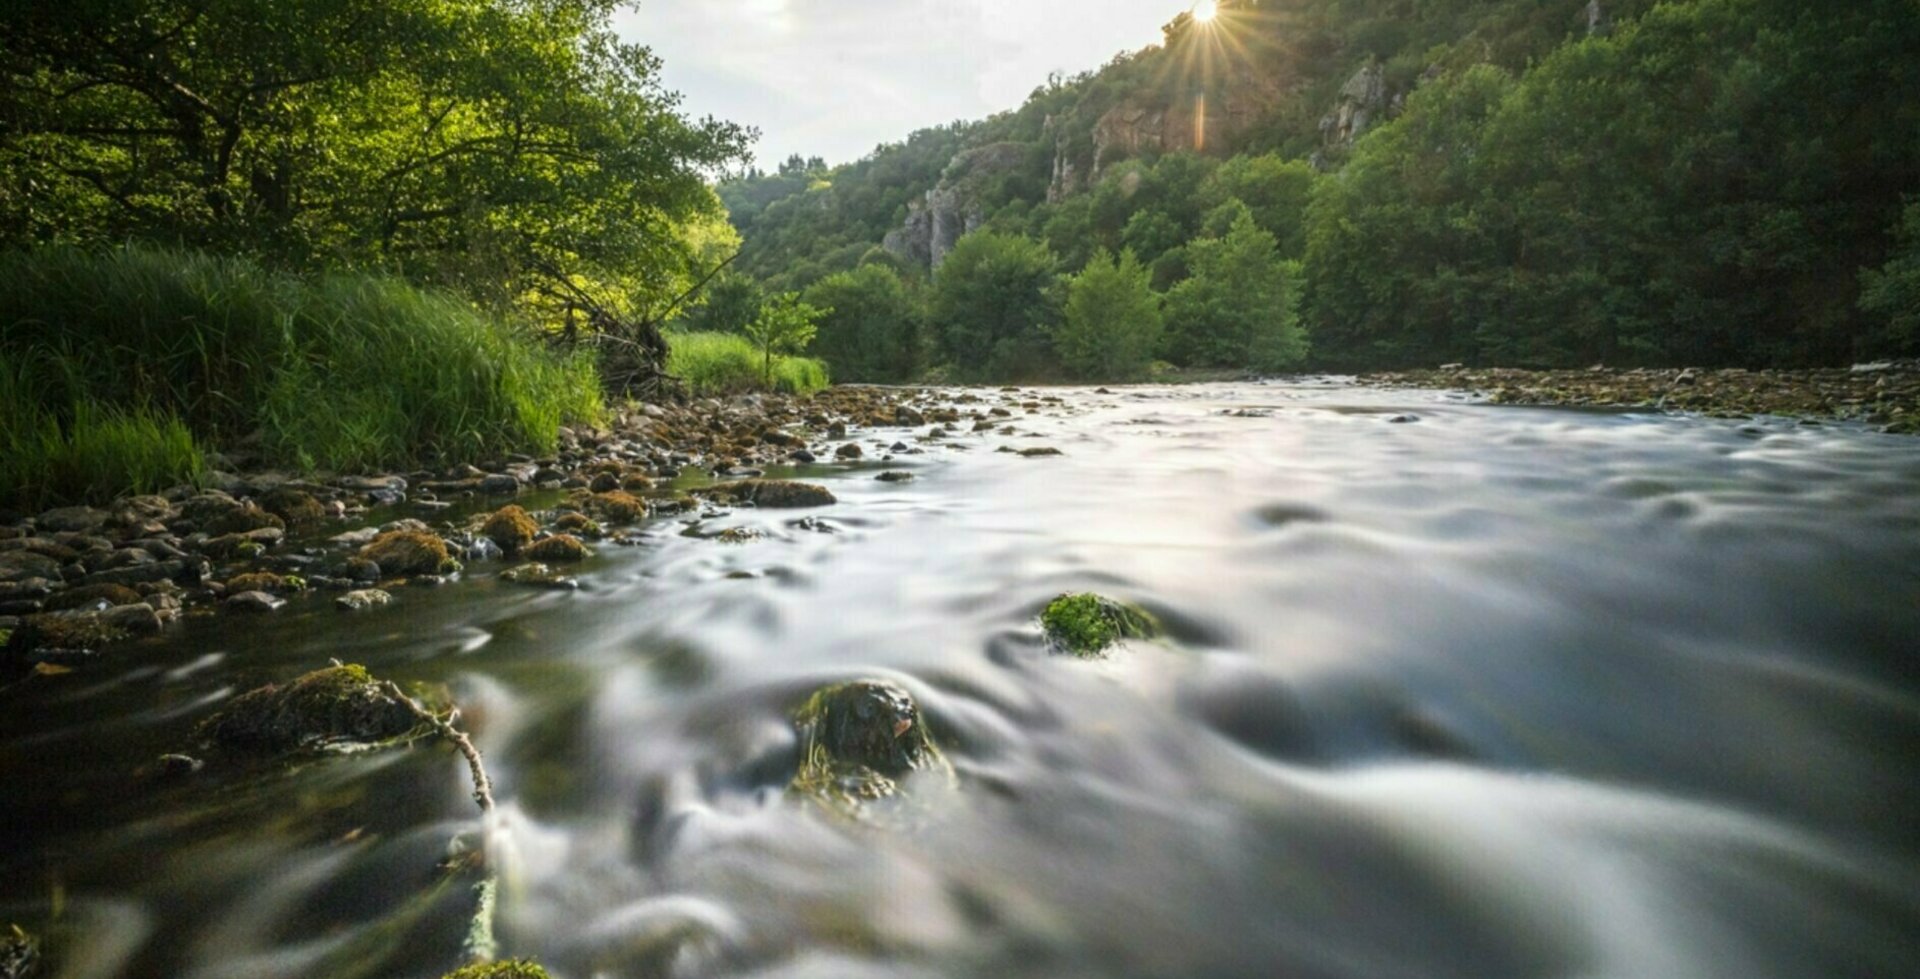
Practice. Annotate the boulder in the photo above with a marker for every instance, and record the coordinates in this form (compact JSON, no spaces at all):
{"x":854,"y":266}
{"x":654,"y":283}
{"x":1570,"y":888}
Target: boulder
{"x":560,"y":547}
{"x":406,"y":552}
{"x":781,"y":493}
{"x":511,"y":527}
{"x":1085,"y":625}
{"x":335,"y":706}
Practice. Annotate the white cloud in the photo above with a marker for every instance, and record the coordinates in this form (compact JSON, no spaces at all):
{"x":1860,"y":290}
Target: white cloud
{"x":837,"y":77}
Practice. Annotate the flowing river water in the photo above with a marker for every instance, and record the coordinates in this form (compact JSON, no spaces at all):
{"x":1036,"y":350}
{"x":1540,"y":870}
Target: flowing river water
{"x":1495,"y":692}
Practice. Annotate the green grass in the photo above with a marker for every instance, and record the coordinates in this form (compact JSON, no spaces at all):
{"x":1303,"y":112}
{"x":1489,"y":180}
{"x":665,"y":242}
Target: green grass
{"x":722,"y":363}
{"x":118,"y":361}
{"x":86,"y":453}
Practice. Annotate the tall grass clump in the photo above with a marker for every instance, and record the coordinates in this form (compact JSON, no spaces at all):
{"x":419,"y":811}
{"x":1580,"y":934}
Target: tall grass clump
{"x":86,"y":453}
{"x":342,"y":371}
{"x":723,"y":363}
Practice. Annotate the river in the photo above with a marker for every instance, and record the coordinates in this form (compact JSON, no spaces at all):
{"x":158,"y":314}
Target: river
{"x":1449,"y":690}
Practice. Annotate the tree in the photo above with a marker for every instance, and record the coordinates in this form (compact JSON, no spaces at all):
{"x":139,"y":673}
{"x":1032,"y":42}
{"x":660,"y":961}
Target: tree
{"x":1277,"y":190}
{"x":1240,"y":307}
{"x":871,"y":328}
{"x":1112,"y":320}
{"x":733,"y":302}
{"x":991,"y":304}
{"x":1892,"y":292}
{"x":518,"y":151}
{"x":785,"y":326}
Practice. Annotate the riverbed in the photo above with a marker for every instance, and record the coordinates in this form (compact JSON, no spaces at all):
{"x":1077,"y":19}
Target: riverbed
{"x":1448,"y":689}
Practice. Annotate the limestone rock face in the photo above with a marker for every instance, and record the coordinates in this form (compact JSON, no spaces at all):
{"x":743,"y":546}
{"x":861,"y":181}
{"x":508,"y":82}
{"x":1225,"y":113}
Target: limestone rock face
{"x":1362,"y":102}
{"x":952,"y":209}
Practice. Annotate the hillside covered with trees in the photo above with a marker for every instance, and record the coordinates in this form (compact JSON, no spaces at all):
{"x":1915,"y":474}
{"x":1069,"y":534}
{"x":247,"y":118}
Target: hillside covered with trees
{"x":1384,"y":183}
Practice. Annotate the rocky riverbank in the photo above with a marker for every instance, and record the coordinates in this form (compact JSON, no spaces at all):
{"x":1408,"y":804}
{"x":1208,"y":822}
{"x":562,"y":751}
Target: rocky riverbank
{"x":1886,"y":395}
{"x":76,"y":580}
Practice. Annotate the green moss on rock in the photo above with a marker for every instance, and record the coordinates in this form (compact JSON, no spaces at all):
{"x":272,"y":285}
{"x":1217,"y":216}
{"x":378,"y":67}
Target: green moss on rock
{"x":85,"y":595}
{"x":618,"y":507}
{"x":241,"y":520}
{"x":858,"y":740}
{"x":560,"y":547}
{"x":407,"y":552}
{"x":1086,"y":624}
{"x":68,"y":631}
{"x":272,"y":584}
{"x":511,"y":527}
{"x":510,"y":969}
{"x":293,"y":506}
{"x":580,"y":524}
{"x":338,"y":705}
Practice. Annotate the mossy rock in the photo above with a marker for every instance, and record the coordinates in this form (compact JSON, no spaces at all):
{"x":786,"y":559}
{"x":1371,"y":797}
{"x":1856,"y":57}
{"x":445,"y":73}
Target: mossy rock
{"x":618,"y":507}
{"x":408,"y":552}
{"x":579,"y":524}
{"x":781,"y":494}
{"x":266,"y":581}
{"x":233,"y":547}
{"x":340,"y":705}
{"x":293,"y":506}
{"x":84,"y":632}
{"x":242,"y":519}
{"x":559,"y":547}
{"x":1085,"y":625}
{"x":511,"y":527}
{"x":858,"y":741}
{"x":84,"y":595}
{"x":511,"y":969}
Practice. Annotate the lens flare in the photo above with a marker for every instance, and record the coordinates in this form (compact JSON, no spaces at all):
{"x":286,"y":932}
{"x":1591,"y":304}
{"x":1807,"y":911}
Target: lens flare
{"x":1205,"y":11}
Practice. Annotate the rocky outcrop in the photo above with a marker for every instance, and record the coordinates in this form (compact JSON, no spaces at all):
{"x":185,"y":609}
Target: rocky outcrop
{"x":1362,"y":102}
{"x":953,"y":208}
{"x":1204,"y":122}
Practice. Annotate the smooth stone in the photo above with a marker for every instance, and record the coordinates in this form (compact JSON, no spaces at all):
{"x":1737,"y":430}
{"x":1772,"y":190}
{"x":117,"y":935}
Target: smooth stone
{"x":255,"y":601}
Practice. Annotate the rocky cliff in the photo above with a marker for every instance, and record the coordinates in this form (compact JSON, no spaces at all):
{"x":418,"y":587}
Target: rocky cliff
{"x":953,"y":207}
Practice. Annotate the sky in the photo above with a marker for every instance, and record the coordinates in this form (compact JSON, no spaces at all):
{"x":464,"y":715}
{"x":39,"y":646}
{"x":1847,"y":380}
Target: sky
{"x":835,"y":78}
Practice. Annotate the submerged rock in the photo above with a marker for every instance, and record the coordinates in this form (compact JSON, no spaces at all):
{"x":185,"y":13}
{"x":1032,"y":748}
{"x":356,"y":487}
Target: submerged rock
{"x":1084,"y":625}
{"x":511,"y":527}
{"x":402,"y":552}
{"x":1039,"y":452}
{"x":335,"y":706}
{"x":858,"y":740}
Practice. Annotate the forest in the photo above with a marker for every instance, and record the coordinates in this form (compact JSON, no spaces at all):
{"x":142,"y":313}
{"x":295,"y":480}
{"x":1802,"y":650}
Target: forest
{"x":1383,"y":184}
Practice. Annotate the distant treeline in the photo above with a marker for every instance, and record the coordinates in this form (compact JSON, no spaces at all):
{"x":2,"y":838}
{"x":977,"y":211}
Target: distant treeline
{"x":1713,"y":182}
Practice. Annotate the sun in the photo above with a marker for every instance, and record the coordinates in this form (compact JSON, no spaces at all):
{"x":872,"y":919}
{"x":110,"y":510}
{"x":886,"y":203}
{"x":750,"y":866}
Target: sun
{"x":1205,"y":11}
